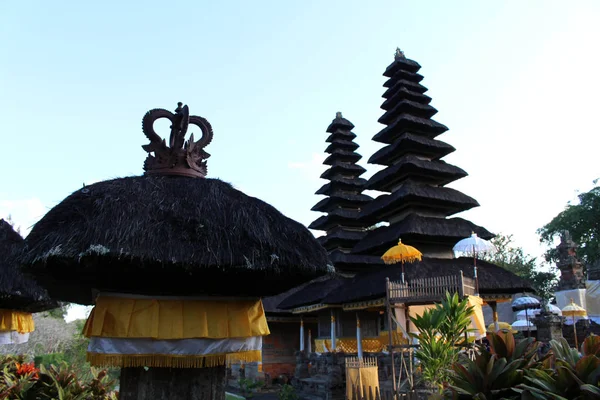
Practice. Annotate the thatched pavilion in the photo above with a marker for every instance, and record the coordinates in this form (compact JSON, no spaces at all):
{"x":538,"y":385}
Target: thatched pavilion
{"x":19,"y":296}
{"x":175,"y":264}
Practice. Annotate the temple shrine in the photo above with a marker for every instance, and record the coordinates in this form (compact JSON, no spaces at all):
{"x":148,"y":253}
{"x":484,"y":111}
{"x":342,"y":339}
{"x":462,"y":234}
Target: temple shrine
{"x":345,"y":314}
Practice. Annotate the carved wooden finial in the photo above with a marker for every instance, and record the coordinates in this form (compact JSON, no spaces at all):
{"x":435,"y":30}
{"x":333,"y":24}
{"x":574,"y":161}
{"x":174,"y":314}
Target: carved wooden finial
{"x":338,"y":115}
{"x":399,"y":55}
{"x":180,"y":157}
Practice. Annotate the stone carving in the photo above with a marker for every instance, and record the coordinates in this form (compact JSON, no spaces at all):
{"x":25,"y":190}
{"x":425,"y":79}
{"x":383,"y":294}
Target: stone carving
{"x":571,"y":270}
{"x":180,"y":157}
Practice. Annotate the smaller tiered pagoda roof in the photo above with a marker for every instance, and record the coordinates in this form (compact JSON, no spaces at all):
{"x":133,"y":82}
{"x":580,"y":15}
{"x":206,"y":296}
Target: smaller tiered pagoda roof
{"x":343,"y":221}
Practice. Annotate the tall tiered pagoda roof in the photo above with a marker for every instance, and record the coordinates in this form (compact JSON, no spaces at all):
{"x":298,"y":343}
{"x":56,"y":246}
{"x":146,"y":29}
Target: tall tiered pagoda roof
{"x":417,"y":202}
{"x":343,"y":223}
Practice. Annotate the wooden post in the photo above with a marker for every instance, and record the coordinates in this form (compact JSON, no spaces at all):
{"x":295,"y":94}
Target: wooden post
{"x":359,"y":348}
{"x":173,"y":383}
{"x":301,"y":334}
{"x":494,"y":307}
{"x":309,"y":342}
{"x":388,"y":307}
{"x":333,"y":347}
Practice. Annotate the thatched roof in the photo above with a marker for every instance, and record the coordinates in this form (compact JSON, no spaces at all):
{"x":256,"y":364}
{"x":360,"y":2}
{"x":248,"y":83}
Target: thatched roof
{"x":340,"y":123}
{"x":402,"y":64}
{"x":444,"y":200}
{"x":342,"y":199}
{"x":169,"y":235}
{"x":410,"y":143}
{"x":353,"y":262}
{"x":370,"y":284}
{"x":339,"y":134}
{"x":405,"y":94}
{"x":436,"y":172}
{"x":271,"y":303}
{"x":400,"y":74}
{"x":341,"y":154}
{"x":416,"y":228}
{"x":341,"y":237}
{"x":339,"y":183}
{"x":313,"y":293}
{"x":408,"y":107}
{"x":344,"y":169}
{"x":18,"y":292}
{"x":341,"y":143}
{"x":408,"y":85}
{"x":339,"y":217}
{"x":409,"y":123}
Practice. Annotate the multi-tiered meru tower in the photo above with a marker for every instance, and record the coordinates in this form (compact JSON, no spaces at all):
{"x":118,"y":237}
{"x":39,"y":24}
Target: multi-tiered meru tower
{"x":343,"y":222}
{"x":418,"y":204}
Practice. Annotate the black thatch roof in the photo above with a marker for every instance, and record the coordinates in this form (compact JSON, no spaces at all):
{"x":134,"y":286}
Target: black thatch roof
{"x":340,"y":123}
{"x":370,"y":284}
{"x":342,"y":155}
{"x":313,"y":293}
{"x":18,"y":292}
{"x":341,"y":144}
{"x":340,"y":135}
{"x":405,"y":94}
{"x":408,"y":107}
{"x":410,"y":143}
{"x":402,"y":64}
{"x":412,"y":124}
{"x":400,"y":74}
{"x":416,"y":228}
{"x":342,"y":199}
{"x":343,"y":169}
{"x":169,"y":235}
{"x":341,"y":237}
{"x":271,"y":303}
{"x":342,"y":184}
{"x":408,"y":85}
{"x":435,"y":172}
{"x":353,"y":262}
{"x":444,"y":200}
{"x":337,"y":217}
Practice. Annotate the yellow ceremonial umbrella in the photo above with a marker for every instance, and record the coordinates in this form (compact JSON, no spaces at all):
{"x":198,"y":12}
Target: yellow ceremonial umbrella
{"x":401,"y":253}
{"x":501,"y":326}
{"x":574,"y":310}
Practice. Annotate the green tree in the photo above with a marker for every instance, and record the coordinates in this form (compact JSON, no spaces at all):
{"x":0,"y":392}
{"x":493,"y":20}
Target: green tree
{"x":582,"y":220}
{"x":514,"y":259}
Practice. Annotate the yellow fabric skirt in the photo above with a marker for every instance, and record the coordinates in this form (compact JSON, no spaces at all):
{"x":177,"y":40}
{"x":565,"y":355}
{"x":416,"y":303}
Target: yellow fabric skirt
{"x":21,"y":322}
{"x":175,"y":319}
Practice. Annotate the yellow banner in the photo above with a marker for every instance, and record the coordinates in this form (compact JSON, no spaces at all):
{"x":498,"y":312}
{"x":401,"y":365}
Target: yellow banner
{"x":21,"y":322}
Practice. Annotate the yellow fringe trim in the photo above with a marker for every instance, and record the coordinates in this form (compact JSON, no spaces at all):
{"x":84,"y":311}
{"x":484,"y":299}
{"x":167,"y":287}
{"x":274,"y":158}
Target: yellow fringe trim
{"x":171,"y":361}
{"x":11,"y":320}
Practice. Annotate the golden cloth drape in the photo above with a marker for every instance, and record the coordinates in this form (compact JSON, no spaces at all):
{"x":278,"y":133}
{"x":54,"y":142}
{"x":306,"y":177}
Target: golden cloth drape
{"x":150,"y":324}
{"x":21,"y":322}
{"x":367,"y":377}
{"x":370,"y":345}
{"x":175,"y":319}
{"x":477,"y":321}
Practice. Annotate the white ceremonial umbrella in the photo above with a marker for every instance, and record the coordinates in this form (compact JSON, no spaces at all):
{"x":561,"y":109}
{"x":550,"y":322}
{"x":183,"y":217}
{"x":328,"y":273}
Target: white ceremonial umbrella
{"x":523,"y":324}
{"x":474,"y":245}
{"x":526,"y":303}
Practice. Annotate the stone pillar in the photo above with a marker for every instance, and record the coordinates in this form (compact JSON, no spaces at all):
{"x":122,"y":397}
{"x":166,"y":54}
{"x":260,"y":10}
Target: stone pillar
{"x":549,"y":326}
{"x":571,"y":270}
{"x":301,"y":371}
{"x":309,"y":343}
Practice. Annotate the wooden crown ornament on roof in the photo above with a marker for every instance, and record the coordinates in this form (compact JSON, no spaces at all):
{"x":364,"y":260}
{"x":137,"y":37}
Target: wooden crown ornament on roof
{"x":179,"y":157}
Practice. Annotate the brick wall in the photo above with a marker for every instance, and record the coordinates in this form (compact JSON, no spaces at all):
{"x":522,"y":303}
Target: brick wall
{"x":279,"y":347}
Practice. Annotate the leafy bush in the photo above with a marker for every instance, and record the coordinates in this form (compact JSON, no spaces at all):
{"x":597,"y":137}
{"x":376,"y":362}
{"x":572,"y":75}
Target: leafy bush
{"x":287,"y":392}
{"x":23,"y":381}
{"x":442,"y":332}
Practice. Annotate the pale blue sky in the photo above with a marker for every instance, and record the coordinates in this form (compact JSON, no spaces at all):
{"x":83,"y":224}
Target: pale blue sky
{"x":516,"y":82}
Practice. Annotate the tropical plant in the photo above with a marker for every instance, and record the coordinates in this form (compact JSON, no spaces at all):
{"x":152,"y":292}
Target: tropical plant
{"x":494,"y":373}
{"x":442,"y":333}
{"x":573,"y":375}
{"x":287,"y":392}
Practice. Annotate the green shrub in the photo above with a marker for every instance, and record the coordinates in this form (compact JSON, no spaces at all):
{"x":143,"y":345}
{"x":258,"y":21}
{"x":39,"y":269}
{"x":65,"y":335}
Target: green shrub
{"x":287,"y":392}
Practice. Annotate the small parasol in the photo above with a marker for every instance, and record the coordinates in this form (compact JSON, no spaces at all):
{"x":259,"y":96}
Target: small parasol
{"x":523,"y":324}
{"x":574,"y":310}
{"x":501,"y":326}
{"x":401,"y":253}
{"x":474,"y":245}
{"x":526,"y":303}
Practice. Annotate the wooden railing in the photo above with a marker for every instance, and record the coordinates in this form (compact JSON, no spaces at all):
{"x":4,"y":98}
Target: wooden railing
{"x":432,"y":289}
